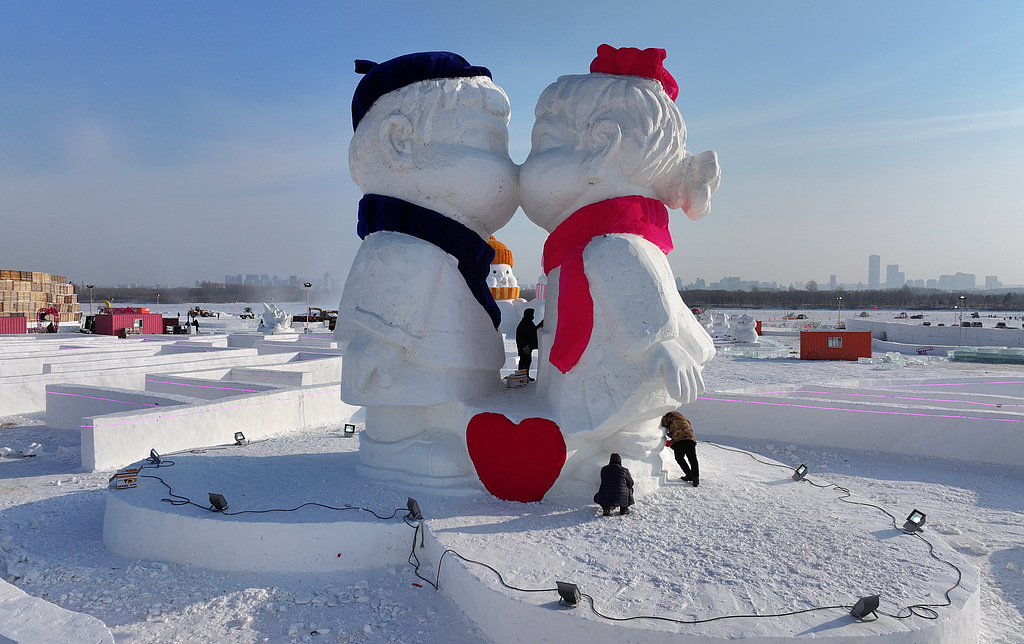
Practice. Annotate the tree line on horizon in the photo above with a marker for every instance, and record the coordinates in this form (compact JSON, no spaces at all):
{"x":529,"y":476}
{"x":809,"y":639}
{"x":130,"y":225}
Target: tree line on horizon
{"x":212,"y":292}
{"x":812,"y":298}
{"x":790,"y":299}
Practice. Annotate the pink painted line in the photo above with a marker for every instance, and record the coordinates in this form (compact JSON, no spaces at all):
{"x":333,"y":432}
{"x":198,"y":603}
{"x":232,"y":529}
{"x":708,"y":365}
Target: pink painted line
{"x":956,"y":384}
{"x":841,"y":393}
{"x":334,"y":390}
{"x":185,"y":384}
{"x":863,"y":411}
{"x":124,"y":402}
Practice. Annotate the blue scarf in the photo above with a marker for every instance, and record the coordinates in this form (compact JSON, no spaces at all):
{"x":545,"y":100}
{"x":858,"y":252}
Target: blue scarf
{"x":474,"y":255}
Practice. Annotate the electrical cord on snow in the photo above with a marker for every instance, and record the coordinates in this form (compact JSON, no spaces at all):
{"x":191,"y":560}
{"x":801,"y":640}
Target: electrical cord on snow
{"x":924,"y":611}
{"x":178,"y":499}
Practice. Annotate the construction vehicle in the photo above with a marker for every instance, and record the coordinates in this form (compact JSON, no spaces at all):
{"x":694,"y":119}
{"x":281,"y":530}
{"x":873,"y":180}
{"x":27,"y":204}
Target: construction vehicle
{"x":247,"y":314}
{"x":317,"y":314}
{"x":202,"y":313}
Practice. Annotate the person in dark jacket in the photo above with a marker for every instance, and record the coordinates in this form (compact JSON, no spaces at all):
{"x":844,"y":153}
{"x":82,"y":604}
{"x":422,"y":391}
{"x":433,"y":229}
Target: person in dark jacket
{"x":526,"y":340}
{"x":616,"y":487}
{"x":683,"y":444}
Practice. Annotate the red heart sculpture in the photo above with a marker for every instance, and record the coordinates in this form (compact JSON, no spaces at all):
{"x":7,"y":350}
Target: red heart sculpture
{"x":515,"y":462}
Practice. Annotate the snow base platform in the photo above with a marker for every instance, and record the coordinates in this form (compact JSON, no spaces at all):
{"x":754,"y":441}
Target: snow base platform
{"x":753,"y":554}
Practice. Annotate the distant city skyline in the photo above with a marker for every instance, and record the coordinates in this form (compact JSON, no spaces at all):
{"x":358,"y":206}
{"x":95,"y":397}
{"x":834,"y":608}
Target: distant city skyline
{"x":895,"y":278}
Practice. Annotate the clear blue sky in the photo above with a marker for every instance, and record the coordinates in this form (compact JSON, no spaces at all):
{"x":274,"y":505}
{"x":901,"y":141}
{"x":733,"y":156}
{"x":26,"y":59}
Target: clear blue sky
{"x":167,"y":142}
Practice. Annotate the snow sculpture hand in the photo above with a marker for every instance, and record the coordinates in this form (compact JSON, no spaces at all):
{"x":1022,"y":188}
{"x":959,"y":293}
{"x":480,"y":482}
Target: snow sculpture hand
{"x":667,"y":361}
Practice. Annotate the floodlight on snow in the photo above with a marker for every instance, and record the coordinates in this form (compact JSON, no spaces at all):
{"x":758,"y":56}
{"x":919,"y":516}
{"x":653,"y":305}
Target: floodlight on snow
{"x":350,"y":430}
{"x":865,"y":606}
{"x":218,"y":502}
{"x":414,"y":510}
{"x":799,"y":473}
{"x":915,"y":522}
{"x":154,"y":458}
{"x":240,"y":439}
{"x":569,"y":593}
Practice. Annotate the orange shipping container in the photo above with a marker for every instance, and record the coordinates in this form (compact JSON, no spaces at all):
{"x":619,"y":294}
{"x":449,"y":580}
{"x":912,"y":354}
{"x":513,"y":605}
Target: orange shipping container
{"x":835,"y":345}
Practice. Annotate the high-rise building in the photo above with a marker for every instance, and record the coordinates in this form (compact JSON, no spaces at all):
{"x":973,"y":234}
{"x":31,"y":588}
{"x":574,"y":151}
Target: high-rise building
{"x":874,"y":271}
{"x":893,"y":277}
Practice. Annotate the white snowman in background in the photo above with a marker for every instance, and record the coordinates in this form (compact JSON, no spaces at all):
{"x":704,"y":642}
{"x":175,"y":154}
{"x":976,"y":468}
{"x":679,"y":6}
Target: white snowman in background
{"x":501,"y":277}
{"x":721,"y":325}
{"x":745,"y":330}
{"x":501,"y":280}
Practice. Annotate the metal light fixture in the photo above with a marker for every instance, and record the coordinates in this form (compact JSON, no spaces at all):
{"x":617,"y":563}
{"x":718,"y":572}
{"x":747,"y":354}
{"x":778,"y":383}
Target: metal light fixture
{"x":218,"y":502}
{"x":915,"y":522}
{"x":414,"y":510}
{"x":240,"y":439}
{"x":90,"y":287}
{"x":569,"y":593}
{"x":350,"y":430}
{"x":154,"y":458}
{"x":865,"y":606}
{"x":799,"y":473}
{"x":308,"y":285}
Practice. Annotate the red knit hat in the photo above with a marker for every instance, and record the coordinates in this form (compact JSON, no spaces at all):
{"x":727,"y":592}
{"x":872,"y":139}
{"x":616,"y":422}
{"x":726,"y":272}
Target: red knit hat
{"x":630,"y":61}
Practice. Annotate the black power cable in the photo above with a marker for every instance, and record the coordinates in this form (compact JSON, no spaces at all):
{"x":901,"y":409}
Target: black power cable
{"x":178,"y":499}
{"x":924,"y":611}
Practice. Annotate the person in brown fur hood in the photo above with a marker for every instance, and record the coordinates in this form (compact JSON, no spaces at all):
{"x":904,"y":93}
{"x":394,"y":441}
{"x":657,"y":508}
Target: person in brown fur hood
{"x":683,"y":444}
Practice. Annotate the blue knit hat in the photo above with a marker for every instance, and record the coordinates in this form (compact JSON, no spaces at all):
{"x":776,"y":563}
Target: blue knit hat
{"x":381,"y":78}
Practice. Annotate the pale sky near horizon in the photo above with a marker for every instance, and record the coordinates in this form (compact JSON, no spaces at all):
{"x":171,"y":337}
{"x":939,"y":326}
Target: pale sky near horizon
{"x":169,"y":142}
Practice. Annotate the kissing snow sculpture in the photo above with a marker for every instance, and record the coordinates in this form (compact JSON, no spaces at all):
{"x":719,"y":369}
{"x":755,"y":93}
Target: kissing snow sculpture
{"x":417,"y":322}
{"x":619,"y":348}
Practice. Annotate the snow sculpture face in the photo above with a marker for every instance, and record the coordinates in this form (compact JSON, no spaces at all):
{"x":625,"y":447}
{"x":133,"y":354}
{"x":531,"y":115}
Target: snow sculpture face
{"x":501,"y":276}
{"x":599,"y":136}
{"x":441,"y":144}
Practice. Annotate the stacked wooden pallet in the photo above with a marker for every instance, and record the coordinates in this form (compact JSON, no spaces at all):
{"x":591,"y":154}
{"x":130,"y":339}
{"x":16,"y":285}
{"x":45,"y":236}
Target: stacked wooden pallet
{"x":23,"y":293}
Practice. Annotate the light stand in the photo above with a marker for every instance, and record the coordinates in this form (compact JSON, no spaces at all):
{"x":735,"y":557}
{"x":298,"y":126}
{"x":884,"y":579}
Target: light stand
{"x":960,"y":336}
{"x":308,"y":285}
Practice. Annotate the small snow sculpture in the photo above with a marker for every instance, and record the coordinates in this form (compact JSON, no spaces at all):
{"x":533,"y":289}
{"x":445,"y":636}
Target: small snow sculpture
{"x":417,"y":322}
{"x":745,"y":330}
{"x":275,"y":320}
{"x":619,"y":347}
{"x":721,"y":325}
{"x":501,"y":280}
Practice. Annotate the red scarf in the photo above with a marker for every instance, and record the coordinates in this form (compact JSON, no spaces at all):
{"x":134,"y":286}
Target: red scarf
{"x":631,"y":215}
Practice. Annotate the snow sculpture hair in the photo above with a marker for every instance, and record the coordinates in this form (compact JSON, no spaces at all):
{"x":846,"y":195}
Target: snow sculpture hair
{"x":651,"y":136}
{"x":410,"y":112}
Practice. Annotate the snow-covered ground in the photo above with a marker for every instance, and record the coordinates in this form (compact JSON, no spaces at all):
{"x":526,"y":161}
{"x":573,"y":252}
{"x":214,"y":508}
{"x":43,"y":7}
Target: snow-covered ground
{"x":51,"y":541}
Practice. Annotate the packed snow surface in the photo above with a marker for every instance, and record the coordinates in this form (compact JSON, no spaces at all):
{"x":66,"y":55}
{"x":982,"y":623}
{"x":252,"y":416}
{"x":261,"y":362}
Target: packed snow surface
{"x":51,"y":536}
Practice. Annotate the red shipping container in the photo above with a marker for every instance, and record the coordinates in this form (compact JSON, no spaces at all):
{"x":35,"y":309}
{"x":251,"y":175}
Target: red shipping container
{"x":13,"y":325}
{"x":835,"y":345}
{"x":152,"y":323}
